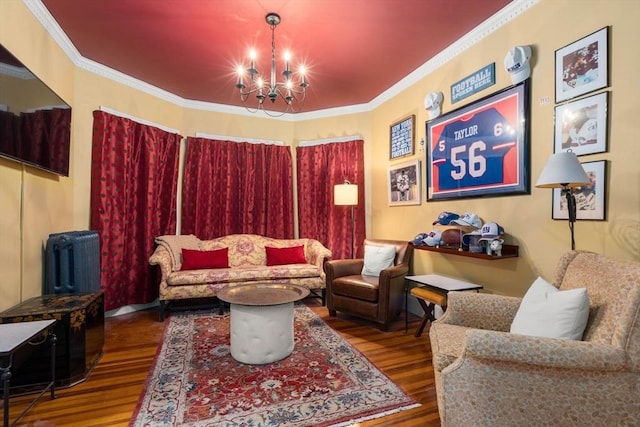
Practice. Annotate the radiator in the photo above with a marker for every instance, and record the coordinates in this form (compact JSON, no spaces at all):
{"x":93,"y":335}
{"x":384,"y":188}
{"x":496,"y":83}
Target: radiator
{"x":73,"y":262}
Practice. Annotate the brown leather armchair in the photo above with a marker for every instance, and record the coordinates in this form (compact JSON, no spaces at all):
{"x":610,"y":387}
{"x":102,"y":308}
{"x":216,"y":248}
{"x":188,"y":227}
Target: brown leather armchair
{"x":378,"y":299}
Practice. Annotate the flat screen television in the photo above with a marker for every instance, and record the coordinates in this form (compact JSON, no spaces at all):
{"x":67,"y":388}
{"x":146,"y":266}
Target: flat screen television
{"x":35,"y":123}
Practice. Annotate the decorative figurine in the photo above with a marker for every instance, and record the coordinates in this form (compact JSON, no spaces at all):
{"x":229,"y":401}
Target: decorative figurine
{"x":495,"y":247}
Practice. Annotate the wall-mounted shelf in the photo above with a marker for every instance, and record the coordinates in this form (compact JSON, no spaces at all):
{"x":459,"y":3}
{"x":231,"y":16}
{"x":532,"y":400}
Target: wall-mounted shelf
{"x":508,"y":251}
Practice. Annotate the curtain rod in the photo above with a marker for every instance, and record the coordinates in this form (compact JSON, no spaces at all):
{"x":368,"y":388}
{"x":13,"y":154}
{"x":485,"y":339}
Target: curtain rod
{"x":138,"y":119}
{"x":312,"y":142}
{"x":237,"y":139}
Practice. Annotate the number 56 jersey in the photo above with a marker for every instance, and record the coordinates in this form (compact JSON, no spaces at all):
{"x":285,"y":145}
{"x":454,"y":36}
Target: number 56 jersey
{"x":470,"y":152}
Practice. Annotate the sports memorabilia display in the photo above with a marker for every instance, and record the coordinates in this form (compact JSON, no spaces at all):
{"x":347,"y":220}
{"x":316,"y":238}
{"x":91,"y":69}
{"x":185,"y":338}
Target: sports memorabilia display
{"x":481,"y":149}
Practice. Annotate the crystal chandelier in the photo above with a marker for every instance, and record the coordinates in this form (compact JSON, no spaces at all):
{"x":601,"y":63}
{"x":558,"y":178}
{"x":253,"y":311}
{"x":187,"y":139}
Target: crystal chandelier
{"x":255,"y":84}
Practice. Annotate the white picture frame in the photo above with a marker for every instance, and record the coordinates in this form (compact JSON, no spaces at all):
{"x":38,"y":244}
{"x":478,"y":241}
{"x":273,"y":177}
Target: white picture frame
{"x":581,"y":126}
{"x":404,"y":184}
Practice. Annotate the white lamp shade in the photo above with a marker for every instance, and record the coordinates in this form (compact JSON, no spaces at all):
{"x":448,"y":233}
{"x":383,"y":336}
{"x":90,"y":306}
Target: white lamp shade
{"x":345,"y":194}
{"x":562,"y":169}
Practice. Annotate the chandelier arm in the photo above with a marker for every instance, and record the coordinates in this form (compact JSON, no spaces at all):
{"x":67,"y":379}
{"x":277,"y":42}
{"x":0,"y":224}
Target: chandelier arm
{"x":274,"y":90}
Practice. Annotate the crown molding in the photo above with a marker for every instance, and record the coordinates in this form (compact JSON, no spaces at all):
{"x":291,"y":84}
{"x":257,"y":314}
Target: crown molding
{"x":493,"y":23}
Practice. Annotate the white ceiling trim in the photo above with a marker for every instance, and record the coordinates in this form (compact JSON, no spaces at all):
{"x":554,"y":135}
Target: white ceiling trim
{"x":492,"y":24}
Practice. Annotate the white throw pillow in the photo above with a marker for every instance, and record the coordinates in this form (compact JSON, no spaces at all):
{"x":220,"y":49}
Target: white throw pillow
{"x":546,"y":311}
{"x":377,"y":258}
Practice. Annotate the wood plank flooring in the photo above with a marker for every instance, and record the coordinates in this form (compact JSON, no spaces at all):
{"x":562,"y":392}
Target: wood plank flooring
{"x":109,"y":396}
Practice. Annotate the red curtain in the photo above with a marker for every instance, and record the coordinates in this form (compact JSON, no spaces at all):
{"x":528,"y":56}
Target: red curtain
{"x":134,"y":175}
{"x":231,"y":187}
{"x":320,"y":167}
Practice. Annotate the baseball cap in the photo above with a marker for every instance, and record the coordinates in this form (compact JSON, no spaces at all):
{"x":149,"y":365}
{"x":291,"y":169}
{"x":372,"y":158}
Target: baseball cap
{"x":468,"y":219}
{"x":432,"y":103}
{"x":491,"y":231}
{"x":418,"y":240}
{"x":516,"y":62}
{"x":445,"y":218}
{"x":468,"y":237}
{"x":433,"y":238}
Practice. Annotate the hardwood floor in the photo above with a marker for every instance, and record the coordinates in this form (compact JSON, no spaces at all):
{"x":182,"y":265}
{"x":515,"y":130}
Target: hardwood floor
{"x":109,"y":396}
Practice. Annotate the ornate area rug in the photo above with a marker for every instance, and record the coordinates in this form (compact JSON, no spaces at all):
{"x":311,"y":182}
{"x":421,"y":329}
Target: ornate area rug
{"x":324,"y":382}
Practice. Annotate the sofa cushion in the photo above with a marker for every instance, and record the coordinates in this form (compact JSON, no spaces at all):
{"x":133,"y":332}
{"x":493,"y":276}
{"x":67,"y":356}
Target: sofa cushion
{"x":546,"y":311}
{"x":357,"y":287}
{"x":284,"y":256}
{"x":243,"y":274}
{"x":196,"y":260}
{"x":377,"y":258}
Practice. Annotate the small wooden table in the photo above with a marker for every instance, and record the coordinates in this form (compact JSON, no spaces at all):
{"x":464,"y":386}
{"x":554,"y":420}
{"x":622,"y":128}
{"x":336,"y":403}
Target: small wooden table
{"x":432,"y":291}
{"x":14,"y":336}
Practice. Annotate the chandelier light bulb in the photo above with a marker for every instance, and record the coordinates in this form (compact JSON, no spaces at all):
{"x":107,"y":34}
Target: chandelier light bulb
{"x":292,"y":93}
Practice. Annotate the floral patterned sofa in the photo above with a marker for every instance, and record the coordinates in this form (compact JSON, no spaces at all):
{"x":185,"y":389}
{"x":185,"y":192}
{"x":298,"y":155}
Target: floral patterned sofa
{"x":247,"y":263}
{"x":487,"y":376}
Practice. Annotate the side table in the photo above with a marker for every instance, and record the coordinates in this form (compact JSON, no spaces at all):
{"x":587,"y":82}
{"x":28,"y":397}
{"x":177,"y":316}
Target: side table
{"x":434,"y":289}
{"x":15,"y":336}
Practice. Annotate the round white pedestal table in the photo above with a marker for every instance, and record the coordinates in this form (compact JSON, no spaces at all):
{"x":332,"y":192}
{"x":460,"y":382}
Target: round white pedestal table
{"x":261,"y":320}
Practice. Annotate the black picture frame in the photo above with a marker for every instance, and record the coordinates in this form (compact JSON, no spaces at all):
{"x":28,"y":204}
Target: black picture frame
{"x":581,"y":125}
{"x":591,"y":200}
{"x":402,"y":135}
{"x":481,"y":149}
{"x":582,"y":66}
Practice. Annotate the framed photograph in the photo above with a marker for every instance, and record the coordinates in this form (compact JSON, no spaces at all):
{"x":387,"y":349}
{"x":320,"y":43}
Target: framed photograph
{"x":402,"y":137}
{"x":590,"y":199}
{"x":403,"y":183}
{"x":581,"y":67}
{"x":582,"y":125}
{"x":481,"y":149}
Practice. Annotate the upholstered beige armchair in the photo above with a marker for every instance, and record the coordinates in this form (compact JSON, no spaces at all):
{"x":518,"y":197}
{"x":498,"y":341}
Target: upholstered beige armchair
{"x":375,"y":298}
{"x":487,"y":376}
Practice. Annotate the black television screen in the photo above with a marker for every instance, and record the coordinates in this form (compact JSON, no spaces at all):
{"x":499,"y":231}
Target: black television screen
{"x":35,"y":123}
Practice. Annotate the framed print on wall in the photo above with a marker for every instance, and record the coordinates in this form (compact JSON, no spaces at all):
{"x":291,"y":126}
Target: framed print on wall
{"x":403,"y":184}
{"x":590,"y":199}
{"x":582,"y":125}
{"x":582,"y":66}
{"x":481,"y":149}
{"x":401,"y":137}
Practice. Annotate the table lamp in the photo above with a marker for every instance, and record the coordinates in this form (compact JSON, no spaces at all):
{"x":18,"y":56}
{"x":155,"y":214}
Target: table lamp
{"x":563,"y":170}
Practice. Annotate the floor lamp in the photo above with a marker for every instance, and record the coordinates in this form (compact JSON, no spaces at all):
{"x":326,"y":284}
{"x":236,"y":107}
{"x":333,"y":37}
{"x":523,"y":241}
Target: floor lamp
{"x":346,"y":194}
{"x":564,"y":171}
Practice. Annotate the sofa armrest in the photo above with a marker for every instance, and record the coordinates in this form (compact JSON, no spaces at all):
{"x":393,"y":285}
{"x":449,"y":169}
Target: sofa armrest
{"x":482,"y":311}
{"x":162,"y":258}
{"x":542,"y":351}
{"x":317,"y":254}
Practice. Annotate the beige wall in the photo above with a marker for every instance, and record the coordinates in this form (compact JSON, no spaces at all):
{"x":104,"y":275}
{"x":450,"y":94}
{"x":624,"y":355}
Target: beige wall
{"x":547,"y":26}
{"x":36,"y":203}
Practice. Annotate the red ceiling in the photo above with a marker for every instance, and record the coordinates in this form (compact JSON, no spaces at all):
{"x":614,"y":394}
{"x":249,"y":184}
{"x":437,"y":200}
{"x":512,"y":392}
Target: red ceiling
{"x":354,"y":49}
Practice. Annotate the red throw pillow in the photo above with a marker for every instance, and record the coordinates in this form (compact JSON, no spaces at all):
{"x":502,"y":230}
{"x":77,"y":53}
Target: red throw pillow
{"x":196,"y":260}
{"x":281,"y":256}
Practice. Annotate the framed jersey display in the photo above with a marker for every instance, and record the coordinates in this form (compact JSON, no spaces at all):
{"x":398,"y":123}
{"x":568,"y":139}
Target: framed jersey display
{"x":481,"y":149}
